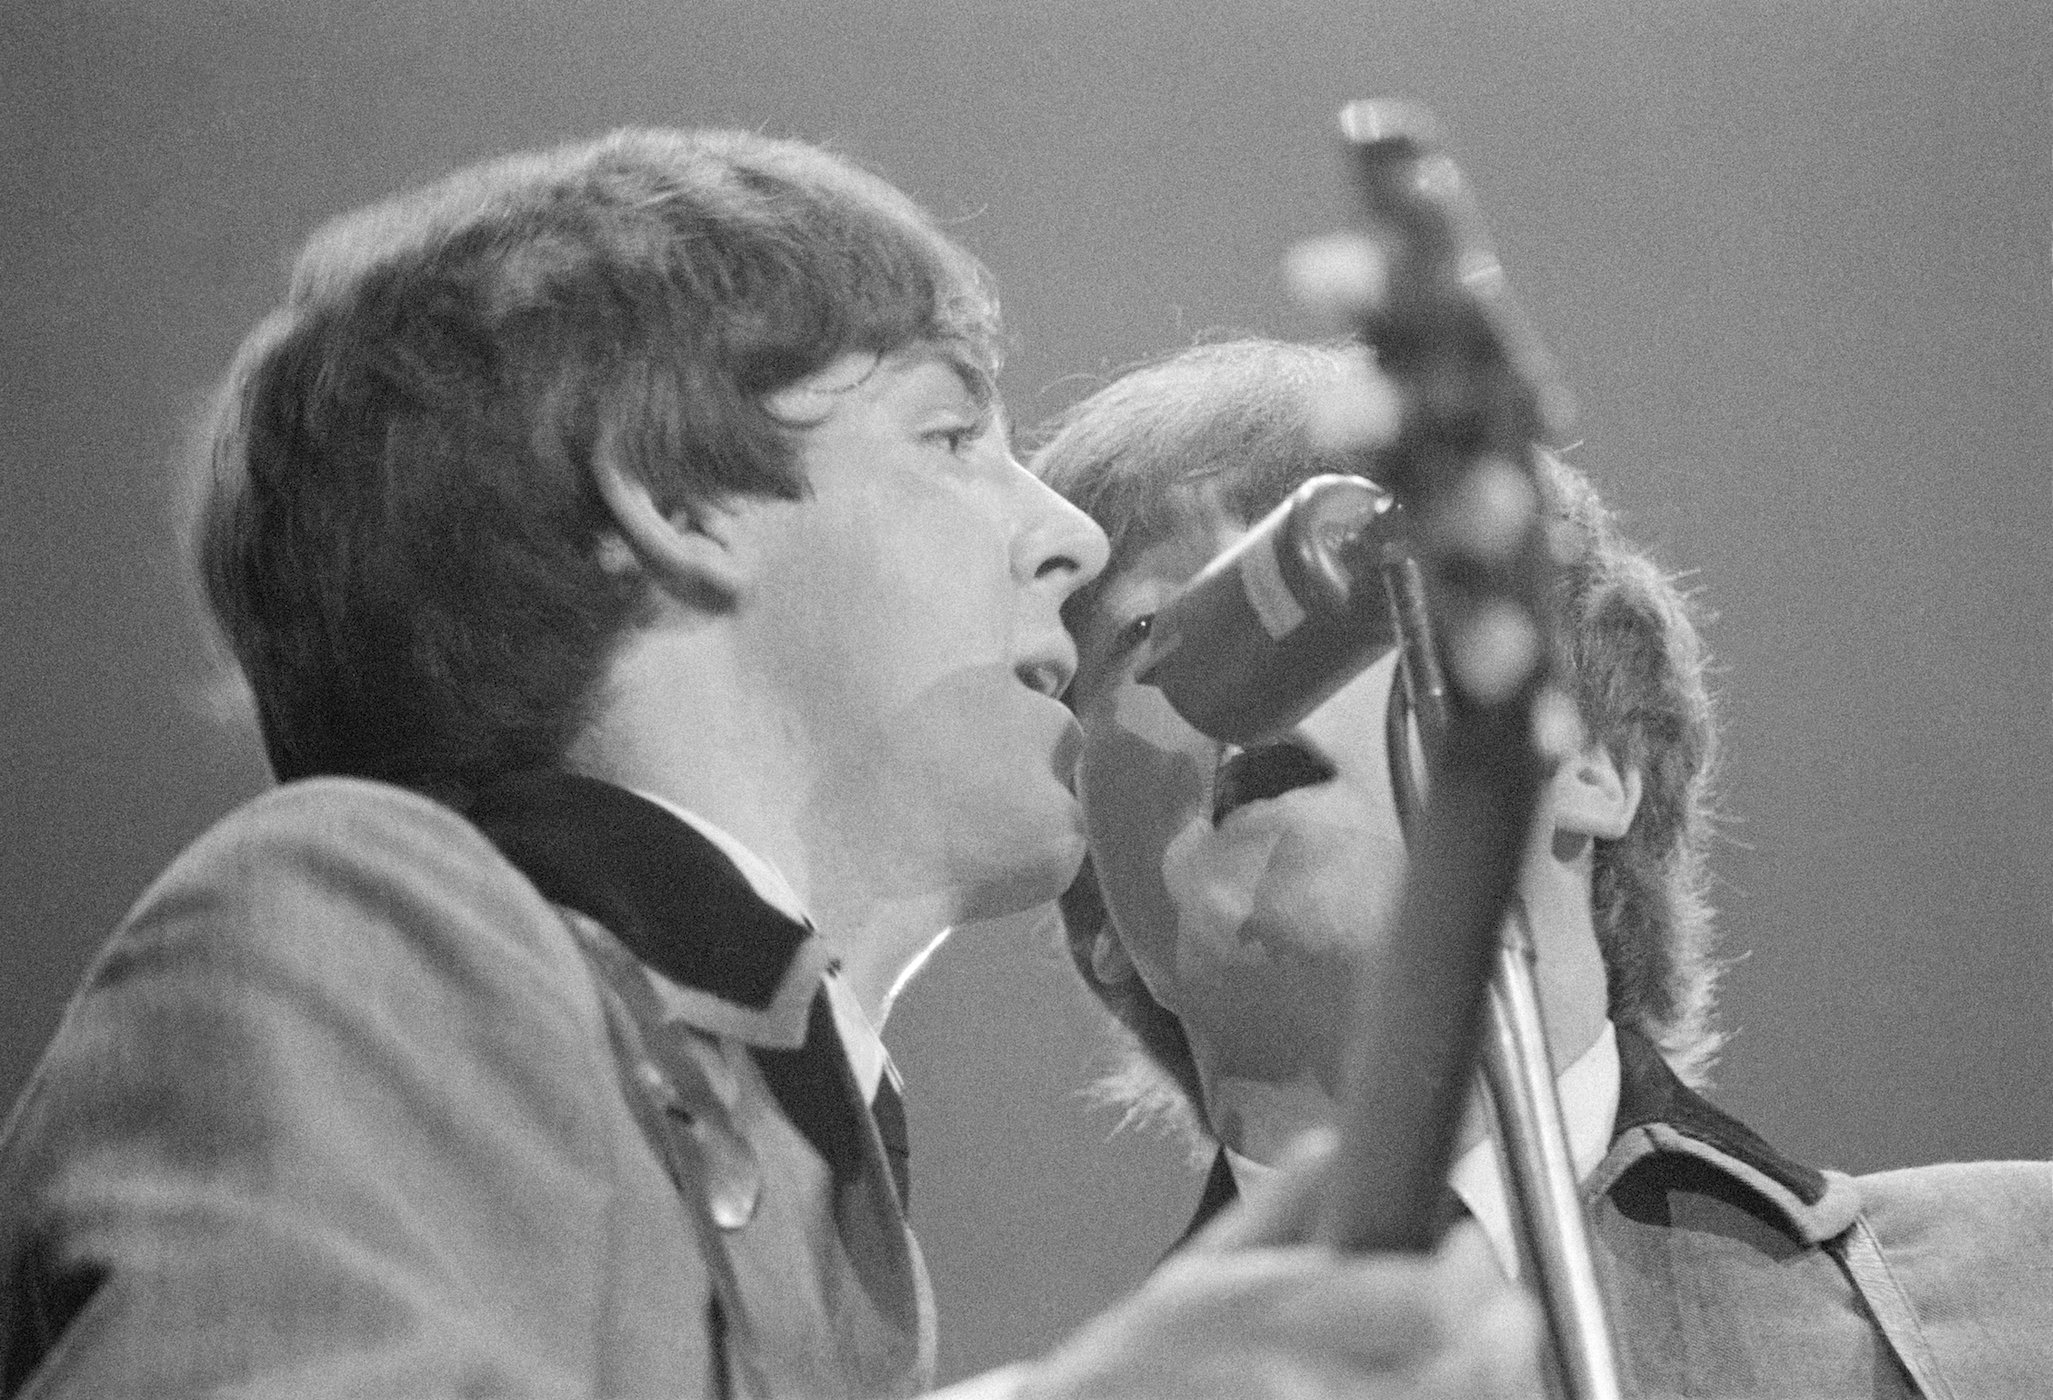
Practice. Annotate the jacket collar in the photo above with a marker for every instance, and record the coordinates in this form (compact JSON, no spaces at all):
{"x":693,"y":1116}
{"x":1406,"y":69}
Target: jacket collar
{"x":1658,"y":1113}
{"x":735,"y":966}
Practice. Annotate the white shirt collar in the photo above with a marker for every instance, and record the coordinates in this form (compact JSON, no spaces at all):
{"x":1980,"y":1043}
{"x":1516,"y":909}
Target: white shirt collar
{"x":866,"y":1053}
{"x":1589,"y":1091}
{"x":867,"y":1056}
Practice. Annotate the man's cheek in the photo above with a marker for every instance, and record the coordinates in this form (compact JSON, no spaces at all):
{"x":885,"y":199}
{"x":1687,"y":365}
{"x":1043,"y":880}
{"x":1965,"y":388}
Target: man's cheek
{"x":1213,"y":886}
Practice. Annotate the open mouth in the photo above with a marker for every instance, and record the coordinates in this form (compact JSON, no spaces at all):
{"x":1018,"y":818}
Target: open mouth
{"x":1268,"y":770}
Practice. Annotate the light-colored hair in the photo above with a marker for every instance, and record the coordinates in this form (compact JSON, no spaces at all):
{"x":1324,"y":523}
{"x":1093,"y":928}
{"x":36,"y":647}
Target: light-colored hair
{"x":398,"y":533}
{"x":1225,"y":425}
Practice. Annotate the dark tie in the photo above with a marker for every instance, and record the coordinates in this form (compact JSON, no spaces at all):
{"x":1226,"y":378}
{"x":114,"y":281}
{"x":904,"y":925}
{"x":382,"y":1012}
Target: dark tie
{"x":888,"y":1108}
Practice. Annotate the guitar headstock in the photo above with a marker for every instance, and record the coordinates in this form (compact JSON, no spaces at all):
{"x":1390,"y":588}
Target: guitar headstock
{"x":1478,"y":397}
{"x":1476,"y":403}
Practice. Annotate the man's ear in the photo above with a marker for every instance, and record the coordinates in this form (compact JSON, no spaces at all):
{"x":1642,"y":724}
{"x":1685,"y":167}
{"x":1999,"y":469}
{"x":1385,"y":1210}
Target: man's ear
{"x":1593,"y":796}
{"x":692,"y":556}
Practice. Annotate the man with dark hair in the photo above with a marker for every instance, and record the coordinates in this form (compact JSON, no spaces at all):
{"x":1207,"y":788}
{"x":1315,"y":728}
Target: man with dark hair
{"x":1231,"y":896}
{"x":659,"y":644}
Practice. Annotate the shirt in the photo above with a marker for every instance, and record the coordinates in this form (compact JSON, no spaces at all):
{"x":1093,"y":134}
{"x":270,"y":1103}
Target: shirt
{"x":1589,"y":1106}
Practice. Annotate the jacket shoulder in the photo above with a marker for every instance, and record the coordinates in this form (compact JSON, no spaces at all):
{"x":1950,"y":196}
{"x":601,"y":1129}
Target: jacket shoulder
{"x":1992,"y":1186}
{"x":332,"y":1053}
{"x":1967,"y":1248}
{"x":333,"y":832}
{"x":1974,"y":1212}
{"x":333,"y":876}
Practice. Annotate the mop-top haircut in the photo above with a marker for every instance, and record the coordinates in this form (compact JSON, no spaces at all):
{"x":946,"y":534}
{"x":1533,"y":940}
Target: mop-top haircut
{"x":1225,"y":426}
{"x":399,"y":533}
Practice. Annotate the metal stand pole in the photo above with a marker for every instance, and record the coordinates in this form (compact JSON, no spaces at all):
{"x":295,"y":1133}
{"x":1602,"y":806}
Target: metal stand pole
{"x":1554,"y":1235}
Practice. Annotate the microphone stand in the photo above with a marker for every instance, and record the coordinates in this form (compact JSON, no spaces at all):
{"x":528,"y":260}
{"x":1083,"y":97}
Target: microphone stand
{"x":1518,"y":1074}
{"x":1532,"y":1142}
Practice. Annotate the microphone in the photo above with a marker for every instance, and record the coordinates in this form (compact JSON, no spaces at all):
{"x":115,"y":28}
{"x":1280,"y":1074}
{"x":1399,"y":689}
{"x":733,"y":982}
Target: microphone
{"x":1269,"y":630}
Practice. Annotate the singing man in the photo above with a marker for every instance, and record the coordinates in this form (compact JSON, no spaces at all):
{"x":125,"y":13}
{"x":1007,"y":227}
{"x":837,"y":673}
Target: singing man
{"x":657,"y":645}
{"x":1231,"y":895}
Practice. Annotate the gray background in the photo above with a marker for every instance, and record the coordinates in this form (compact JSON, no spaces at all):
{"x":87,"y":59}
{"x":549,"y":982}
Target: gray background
{"x":1791,"y":256}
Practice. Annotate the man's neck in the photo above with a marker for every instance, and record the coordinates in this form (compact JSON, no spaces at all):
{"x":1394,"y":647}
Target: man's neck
{"x":877,"y":940}
{"x":735,"y":767}
{"x":882,"y":942}
{"x":1259,"y":1118}
{"x":1589,"y":1090}
{"x":1259,"y":1113}
{"x":1568,"y":967}
{"x":726,"y":764}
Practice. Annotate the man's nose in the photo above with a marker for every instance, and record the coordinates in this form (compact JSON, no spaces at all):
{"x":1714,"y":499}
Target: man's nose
{"x":1057,"y":543}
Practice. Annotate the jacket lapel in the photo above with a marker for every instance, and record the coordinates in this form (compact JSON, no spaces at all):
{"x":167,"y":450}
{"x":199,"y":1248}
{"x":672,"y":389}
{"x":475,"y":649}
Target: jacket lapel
{"x":707,"y":988}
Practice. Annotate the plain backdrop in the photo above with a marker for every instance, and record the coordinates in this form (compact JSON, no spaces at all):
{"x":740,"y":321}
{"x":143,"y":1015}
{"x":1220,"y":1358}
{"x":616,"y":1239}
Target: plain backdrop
{"x":1792,"y":256}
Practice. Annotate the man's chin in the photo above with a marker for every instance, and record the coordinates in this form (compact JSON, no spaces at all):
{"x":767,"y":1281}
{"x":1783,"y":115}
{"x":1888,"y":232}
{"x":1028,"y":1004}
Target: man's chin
{"x":1322,"y":920}
{"x":1034,"y":868}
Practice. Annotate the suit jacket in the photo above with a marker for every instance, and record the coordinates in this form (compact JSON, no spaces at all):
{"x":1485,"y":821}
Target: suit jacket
{"x":349,"y":1106}
{"x":1734,"y":1271}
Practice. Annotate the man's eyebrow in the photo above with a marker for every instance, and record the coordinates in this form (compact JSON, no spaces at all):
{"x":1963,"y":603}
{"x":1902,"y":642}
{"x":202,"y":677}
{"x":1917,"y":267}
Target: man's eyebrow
{"x":983,"y":395}
{"x":976,"y":380}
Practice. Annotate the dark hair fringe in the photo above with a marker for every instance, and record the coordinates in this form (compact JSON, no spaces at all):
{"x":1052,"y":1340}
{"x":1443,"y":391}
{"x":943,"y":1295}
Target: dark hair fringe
{"x":397,"y":535}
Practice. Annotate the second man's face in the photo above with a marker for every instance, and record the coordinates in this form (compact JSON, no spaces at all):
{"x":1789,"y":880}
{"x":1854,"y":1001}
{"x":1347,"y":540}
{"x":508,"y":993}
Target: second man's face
{"x":1244,"y":887}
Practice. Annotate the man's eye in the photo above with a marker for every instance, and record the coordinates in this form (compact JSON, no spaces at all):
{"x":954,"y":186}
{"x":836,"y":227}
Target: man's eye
{"x":1136,"y":631}
{"x":960,"y":437}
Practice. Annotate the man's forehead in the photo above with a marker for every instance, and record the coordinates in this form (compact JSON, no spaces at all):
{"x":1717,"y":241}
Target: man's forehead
{"x":972,"y":374}
{"x":922,"y":356}
{"x":808,"y":401}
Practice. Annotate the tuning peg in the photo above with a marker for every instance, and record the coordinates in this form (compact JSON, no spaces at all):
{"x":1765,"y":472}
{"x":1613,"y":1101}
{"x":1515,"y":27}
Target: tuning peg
{"x":1338,"y":277}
